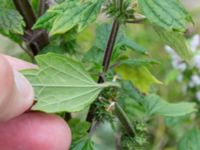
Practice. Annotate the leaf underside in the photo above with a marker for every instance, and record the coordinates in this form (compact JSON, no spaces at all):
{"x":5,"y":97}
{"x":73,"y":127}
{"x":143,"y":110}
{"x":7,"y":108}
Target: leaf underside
{"x":62,"y":84}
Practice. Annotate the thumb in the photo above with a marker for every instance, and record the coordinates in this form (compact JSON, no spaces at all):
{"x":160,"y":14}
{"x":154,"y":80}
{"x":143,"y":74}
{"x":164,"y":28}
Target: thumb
{"x":16,"y":94}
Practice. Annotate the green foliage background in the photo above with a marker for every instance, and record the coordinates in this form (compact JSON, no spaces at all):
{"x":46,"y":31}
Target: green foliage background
{"x":165,"y":133}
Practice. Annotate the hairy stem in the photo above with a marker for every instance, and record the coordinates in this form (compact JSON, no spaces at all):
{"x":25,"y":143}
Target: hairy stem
{"x":123,"y":118}
{"x":106,"y":62}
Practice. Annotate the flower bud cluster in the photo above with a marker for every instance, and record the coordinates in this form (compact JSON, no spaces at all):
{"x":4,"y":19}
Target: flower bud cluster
{"x":188,"y":75}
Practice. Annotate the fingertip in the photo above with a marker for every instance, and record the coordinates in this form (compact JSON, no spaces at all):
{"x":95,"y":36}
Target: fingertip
{"x":67,"y":135}
{"x":35,"y":131}
{"x":18,"y":64}
{"x":6,"y":83}
{"x":23,"y":95}
{"x":16,"y":92}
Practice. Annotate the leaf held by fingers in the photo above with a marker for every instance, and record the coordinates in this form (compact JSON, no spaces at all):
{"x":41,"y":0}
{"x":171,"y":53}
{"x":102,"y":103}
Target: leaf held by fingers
{"x":61,"y":84}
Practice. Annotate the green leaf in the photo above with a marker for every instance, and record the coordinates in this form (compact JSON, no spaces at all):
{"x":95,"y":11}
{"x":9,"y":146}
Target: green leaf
{"x":103,"y":32}
{"x":11,"y":21}
{"x":35,"y":5}
{"x":52,"y":48}
{"x":62,"y":84}
{"x":46,"y":21}
{"x":171,"y":76}
{"x":69,"y":14}
{"x":79,"y":129}
{"x":140,"y":76}
{"x":94,"y":55}
{"x":129,"y":43}
{"x":124,"y":119}
{"x":139,"y":62}
{"x":90,"y":14}
{"x":155,"y":105}
{"x":102,"y":35}
{"x":12,"y":36}
{"x":176,"y":121}
{"x":83,"y":144}
{"x":176,"y":41}
{"x":6,"y":4}
{"x":131,"y":91}
{"x":169,"y":14}
{"x":133,"y":109}
{"x":190,"y":141}
{"x":70,"y":18}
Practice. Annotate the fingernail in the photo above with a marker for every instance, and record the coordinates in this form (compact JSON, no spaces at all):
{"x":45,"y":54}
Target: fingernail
{"x":19,"y":96}
{"x":25,"y":89}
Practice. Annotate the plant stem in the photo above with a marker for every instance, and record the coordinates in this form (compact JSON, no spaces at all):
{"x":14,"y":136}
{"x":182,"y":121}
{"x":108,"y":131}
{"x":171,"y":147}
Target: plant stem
{"x":25,"y":9}
{"x":123,"y":118}
{"x":109,"y":49}
{"x":106,"y":62}
{"x":93,"y":128}
{"x":126,"y":123}
{"x":67,"y":117}
{"x":117,"y":141}
{"x":43,"y":6}
{"x":136,"y":21}
{"x":121,"y":6}
{"x":34,"y":39}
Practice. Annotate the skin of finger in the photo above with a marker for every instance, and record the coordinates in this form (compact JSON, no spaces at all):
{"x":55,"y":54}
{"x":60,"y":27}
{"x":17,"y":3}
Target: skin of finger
{"x":15,"y":99}
{"x":6,"y":84}
{"x":18,"y":64}
{"x":35,"y":131}
{"x":10,"y":126}
{"x":21,"y":99}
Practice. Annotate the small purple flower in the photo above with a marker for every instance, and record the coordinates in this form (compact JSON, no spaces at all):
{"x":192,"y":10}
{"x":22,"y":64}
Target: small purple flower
{"x":196,"y":60}
{"x":191,"y":84}
{"x":198,"y":96}
{"x":179,"y":78}
{"x":196,"y":80}
{"x":195,"y":43}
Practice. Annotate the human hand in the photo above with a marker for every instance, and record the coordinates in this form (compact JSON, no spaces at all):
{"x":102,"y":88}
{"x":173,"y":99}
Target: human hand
{"x":21,"y":130}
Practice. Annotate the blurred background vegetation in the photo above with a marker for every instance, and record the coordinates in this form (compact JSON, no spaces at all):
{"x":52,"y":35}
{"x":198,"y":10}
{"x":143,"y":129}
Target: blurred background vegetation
{"x":166,"y":132}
